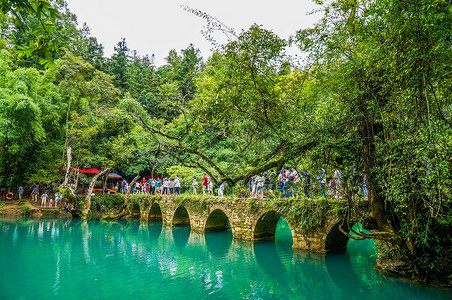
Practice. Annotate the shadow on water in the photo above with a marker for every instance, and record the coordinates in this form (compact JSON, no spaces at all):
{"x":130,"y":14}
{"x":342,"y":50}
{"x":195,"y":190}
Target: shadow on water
{"x":180,"y":236}
{"x":346,"y":267}
{"x":268,"y":258}
{"x":267,"y":253}
{"x":218,"y":243}
{"x":151,"y":231}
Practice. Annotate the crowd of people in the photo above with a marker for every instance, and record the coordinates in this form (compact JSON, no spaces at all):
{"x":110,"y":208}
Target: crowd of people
{"x":169,"y":186}
{"x":164,"y":186}
{"x":37,"y":190}
{"x":288,"y":182}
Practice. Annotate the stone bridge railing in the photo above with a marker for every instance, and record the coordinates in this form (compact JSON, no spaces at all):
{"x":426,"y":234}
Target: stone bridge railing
{"x":314,"y":224}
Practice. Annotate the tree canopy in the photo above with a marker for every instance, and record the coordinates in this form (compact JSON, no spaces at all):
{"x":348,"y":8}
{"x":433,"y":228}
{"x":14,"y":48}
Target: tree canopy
{"x":372,"y":100}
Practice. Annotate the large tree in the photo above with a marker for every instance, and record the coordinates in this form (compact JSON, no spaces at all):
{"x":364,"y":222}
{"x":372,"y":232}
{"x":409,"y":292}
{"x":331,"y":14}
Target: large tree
{"x":381,"y":69}
{"x":248,"y":113}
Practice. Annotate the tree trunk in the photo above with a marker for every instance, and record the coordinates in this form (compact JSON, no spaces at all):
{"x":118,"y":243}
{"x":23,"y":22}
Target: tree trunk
{"x":105,"y":184}
{"x":67,"y":177}
{"x":126,"y":202}
{"x":87,"y":205}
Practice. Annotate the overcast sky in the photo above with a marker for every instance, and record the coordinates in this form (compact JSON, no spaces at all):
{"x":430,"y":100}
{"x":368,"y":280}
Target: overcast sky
{"x":156,"y":27}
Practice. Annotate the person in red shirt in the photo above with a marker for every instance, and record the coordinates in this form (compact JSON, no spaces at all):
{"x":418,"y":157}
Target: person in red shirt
{"x":143,"y":185}
{"x":205,"y":181}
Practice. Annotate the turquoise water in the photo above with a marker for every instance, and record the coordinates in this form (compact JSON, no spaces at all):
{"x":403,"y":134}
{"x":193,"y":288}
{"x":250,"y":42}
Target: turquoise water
{"x":74,"y":259}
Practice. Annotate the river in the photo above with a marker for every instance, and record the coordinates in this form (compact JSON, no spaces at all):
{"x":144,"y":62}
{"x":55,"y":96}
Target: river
{"x":74,"y":259}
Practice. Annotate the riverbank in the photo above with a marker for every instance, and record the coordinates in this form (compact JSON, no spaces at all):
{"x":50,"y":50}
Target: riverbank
{"x":29,"y":208}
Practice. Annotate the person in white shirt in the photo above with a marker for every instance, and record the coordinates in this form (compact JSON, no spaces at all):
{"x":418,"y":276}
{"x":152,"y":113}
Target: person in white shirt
{"x":338,"y":180}
{"x":176,"y":185}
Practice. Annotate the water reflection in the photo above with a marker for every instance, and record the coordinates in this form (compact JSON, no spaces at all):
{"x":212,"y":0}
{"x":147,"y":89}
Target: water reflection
{"x":339,"y":268}
{"x":218,"y":243}
{"x":76,"y":259}
{"x":180,"y":236}
{"x":268,"y":258}
{"x":150,"y":232}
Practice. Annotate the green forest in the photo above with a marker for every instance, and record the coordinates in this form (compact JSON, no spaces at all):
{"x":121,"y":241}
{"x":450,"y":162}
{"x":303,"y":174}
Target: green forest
{"x":373,"y":96}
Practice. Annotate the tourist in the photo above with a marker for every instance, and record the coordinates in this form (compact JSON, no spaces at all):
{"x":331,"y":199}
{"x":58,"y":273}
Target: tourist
{"x":332,"y":189}
{"x":338,"y":181}
{"x":254,"y":186}
{"x":281,"y":181}
{"x":209,"y":187}
{"x":57,"y":198}
{"x":157,"y":187}
{"x":143,"y":185}
{"x":287,"y":182}
{"x":273,"y":181}
{"x":204,"y":184}
{"x":123,"y":186}
{"x":35,"y":193}
{"x":296,"y":183}
{"x":20,"y":192}
{"x":148,"y":187}
{"x":152,"y":184}
{"x":259,"y":179}
{"x":171,"y":186}
{"x":165,"y":186}
{"x":176,"y":185}
{"x":137,"y":187}
{"x":195,"y":185}
{"x":266,"y":183}
{"x":126,"y":187}
{"x":321,"y":176}
{"x":221,"y":189}
{"x":66,"y":208}
{"x":365,"y":188}
{"x":43,"y":199}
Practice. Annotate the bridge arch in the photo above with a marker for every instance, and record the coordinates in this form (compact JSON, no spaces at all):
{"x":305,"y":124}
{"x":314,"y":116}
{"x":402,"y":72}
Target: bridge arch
{"x":181,"y":217}
{"x":218,"y":220}
{"x":265,"y":226}
{"x":155,"y":213}
{"x":334,"y":239}
{"x":135,"y":211}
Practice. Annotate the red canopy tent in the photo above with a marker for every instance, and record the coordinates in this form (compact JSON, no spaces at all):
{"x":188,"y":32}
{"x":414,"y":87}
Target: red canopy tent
{"x":90,"y":171}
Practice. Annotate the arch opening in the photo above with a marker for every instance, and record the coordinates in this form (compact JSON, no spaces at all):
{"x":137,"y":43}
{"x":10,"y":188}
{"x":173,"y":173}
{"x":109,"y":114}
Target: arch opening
{"x":217,"y":221}
{"x":265,"y":228}
{"x":181,"y":217}
{"x":335,"y":239}
{"x":135,"y":211}
{"x":155,"y":213}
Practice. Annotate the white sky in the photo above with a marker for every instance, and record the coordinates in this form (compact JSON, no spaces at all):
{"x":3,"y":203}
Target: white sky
{"x":156,"y":27}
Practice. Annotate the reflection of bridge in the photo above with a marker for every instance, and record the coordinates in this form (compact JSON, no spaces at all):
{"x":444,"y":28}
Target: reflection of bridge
{"x":248,"y":220}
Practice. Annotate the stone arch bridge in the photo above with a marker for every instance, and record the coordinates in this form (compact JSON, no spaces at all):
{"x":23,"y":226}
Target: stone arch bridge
{"x":249,"y":219}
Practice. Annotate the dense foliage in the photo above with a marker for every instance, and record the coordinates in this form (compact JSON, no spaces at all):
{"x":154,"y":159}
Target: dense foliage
{"x":373,"y":98}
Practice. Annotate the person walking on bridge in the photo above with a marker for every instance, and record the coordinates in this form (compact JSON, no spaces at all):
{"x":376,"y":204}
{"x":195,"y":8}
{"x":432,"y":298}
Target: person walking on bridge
{"x":176,"y":185}
{"x":204,"y":184}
